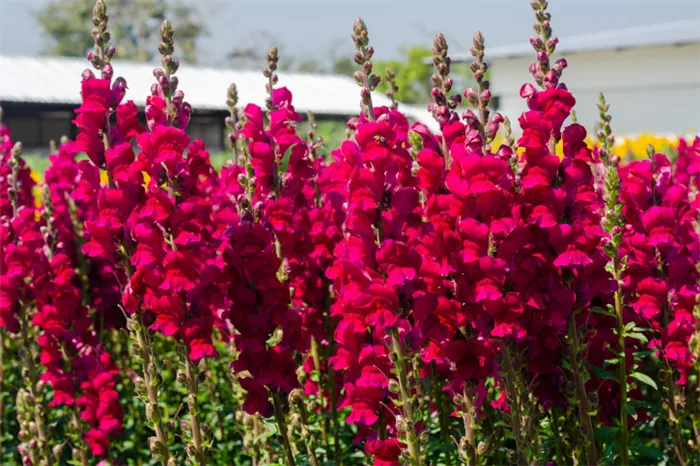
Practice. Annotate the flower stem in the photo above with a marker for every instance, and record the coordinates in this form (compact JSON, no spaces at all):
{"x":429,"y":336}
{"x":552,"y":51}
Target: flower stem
{"x":443,"y":412}
{"x":2,"y":385}
{"x":282,"y":426}
{"x":334,"y":418}
{"x":624,"y":430}
{"x":556,"y":434}
{"x":75,"y":419}
{"x":328,"y":324}
{"x":469,"y":423}
{"x":195,"y":427}
{"x":513,"y":397}
{"x":306,"y":433}
{"x":212,"y":384}
{"x":584,"y":406}
{"x":31,"y":379}
{"x":412,"y":440}
{"x":673,"y":418}
{"x":161,"y":452}
{"x":322,"y":399}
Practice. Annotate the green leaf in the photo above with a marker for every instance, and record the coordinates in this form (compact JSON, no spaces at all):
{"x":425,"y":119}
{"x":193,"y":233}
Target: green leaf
{"x":644,"y":379}
{"x":599,"y":310}
{"x":606,"y":434}
{"x":265,"y":435}
{"x":285,"y":159}
{"x":629,"y":326}
{"x":602,"y":374}
{"x":649,"y":452}
{"x":631,"y":411}
{"x":638,"y":336}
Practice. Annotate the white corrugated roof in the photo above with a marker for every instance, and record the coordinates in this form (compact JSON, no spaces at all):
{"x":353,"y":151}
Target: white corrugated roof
{"x":57,"y":80}
{"x":677,"y":32}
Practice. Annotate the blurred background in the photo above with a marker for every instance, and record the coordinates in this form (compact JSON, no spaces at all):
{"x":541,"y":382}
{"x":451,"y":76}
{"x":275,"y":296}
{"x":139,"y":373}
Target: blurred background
{"x":645,"y":56}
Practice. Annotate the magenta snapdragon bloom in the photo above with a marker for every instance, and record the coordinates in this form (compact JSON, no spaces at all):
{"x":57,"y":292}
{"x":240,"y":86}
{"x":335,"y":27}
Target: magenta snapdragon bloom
{"x":376,"y":271}
{"x":662,"y":246}
{"x":19,"y":234}
{"x":76,"y":364}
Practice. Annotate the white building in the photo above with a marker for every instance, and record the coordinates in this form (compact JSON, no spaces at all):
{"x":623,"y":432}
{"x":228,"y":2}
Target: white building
{"x":650,"y":76}
{"x":39,"y":95}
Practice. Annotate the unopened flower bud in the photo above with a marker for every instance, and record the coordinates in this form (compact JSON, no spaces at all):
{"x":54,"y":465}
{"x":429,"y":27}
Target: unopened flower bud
{"x":374,"y":81}
{"x":537,"y":43}
{"x":394,"y":386}
{"x":401,"y":424}
{"x":155,"y":446}
{"x":471,"y":96}
{"x":179,"y":96}
{"x":560,"y":65}
{"x":359,"y":77}
{"x":358,"y":57}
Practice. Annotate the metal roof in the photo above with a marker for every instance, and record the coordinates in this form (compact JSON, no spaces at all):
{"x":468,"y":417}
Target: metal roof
{"x":674,"y":33}
{"x":57,"y":80}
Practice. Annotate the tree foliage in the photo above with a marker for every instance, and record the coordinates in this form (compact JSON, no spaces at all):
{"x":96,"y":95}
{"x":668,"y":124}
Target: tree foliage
{"x":412,"y":75}
{"x":134,"y":25}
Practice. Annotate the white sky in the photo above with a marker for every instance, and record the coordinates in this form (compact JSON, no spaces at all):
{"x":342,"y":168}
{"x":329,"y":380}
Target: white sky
{"x":322,"y":28}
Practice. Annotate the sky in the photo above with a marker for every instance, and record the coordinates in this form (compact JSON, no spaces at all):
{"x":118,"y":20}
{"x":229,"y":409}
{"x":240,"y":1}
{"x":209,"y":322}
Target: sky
{"x":322,"y":28}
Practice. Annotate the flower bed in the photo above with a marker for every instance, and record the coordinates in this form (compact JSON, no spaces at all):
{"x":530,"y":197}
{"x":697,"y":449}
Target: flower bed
{"x":414,"y":298}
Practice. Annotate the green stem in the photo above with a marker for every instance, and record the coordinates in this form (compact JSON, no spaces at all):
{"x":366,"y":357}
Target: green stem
{"x":674,"y":419}
{"x":513,"y":397}
{"x":322,"y":399}
{"x":2,"y":386}
{"x":624,"y":430}
{"x":334,"y":418}
{"x":214,"y":397}
{"x":556,"y":434}
{"x":469,"y":423}
{"x":32,"y":384}
{"x":148,"y":367}
{"x":306,"y":433}
{"x":584,"y":406}
{"x":335,"y":426}
{"x":79,"y":431}
{"x":193,"y":404}
{"x":282,"y":426}
{"x":439,"y":399}
{"x":412,"y":439}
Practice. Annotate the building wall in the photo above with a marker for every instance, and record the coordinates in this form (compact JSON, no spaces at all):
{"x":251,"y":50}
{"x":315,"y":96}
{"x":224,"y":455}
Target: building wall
{"x":650,"y":89}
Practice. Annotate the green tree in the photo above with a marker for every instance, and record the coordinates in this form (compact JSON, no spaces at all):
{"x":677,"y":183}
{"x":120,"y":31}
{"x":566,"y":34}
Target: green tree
{"x":412,"y":75}
{"x":343,"y":65}
{"x":413,"y":72}
{"x":134,"y":25}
